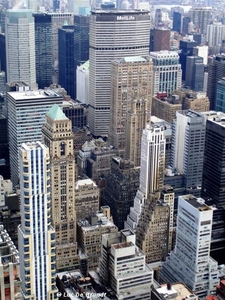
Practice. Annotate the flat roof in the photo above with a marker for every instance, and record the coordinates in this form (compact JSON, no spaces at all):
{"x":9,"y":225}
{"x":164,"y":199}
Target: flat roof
{"x":198,"y":203}
{"x":37,"y":94}
{"x":176,"y":291}
{"x":83,"y":182}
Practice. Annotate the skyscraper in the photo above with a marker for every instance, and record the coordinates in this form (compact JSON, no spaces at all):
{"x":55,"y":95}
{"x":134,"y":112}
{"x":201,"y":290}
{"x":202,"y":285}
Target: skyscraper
{"x":190,"y":261}
{"x":36,"y":235}
{"x":194,"y":78}
{"x":167,"y":71}
{"x":215,"y":34}
{"x":43,"y":49}
{"x":126,"y":34}
{"x":213,"y":178}
{"x":26,"y":115}
{"x":200,"y":16}
{"x":131,"y":94}
{"x":59,"y":19}
{"x":73,"y":45}
{"x":122,"y":185}
{"x":216,"y":71}
{"x":177,"y":16}
{"x":20,"y":46}
{"x":220,"y":95}
{"x":186,"y":47}
{"x":152,"y":169}
{"x":58,"y":136}
{"x":67,"y":68}
{"x":188,"y":141}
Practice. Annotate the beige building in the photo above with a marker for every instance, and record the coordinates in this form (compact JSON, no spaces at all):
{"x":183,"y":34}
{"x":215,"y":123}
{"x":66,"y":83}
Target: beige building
{"x":131,"y":95}
{"x":198,"y":102}
{"x":182,"y":99}
{"x":10,"y":282}
{"x":58,"y":136}
{"x":152,"y":232}
{"x":87,"y":198}
{"x":166,"y":108}
{"x":89,"y":235}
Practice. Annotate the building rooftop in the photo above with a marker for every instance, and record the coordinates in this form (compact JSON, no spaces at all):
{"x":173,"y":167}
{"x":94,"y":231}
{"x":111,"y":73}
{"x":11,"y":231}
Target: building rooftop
{"x":133,"y":59}
{"x":33,"y":145}
{"x":119,"y":12}
{"x":198,"y":203}
{"x":56,"y":114}
{"x":85,"y":182}
{"x":176,"y":291}
{"x":37,"y":94}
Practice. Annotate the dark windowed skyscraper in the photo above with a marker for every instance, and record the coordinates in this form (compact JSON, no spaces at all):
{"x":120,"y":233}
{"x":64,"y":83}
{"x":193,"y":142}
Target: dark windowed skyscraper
{"x":66,"y":60}
{"x":73,"y":46}
{"x":186,"y":48}
{"x":216,"y":71}
{"x":220,"y":95}
{"x":213,"y":181}
{"x":177,"y":21}
{"x":194,"y":78}
{"x":43,"y":49}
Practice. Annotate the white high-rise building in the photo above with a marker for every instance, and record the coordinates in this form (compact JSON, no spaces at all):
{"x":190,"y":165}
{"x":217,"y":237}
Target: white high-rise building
{"x":151,"y":174}
{"x":167,"y":71}
{"x":36,"y":236}
{"x":215,"y":34}
{"x":122,"y":266}
{"x":113,"y":35}
{"x":20,"y":46}
{"x":190,"y":262}
{"x":26,"y":115}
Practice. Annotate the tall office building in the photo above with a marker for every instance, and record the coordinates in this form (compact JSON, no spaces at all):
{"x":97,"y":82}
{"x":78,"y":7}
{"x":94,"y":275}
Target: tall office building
{"x":220,"y":95}
{"x":216,"y":71}
{"x":58,"y":136}
{"x":188,"y":141}
{"x":36,"y":235}
{"x":215,"y":34}
{"x":167,"y":71}
{"x":190,"y":261}
{"x":177,"y":17}
{"x":20,"y":46}
{"x":59,"y":19}
{"x":213,"y":177}
{"x":43,"y":49}
{"x":186,"y":47}
{"x":67,"y":69}
{"x":122,"y":185}
{"x":26,"y":115}
{"x":73,"y":45}
{"x":152,"y":170}
{"x":131,"y":94}
{"x":126,"y":34}
{"x":200,"y":16}
{"x":3,"y":53}
{"x":194,"y":78}
{"x":185,"y":22}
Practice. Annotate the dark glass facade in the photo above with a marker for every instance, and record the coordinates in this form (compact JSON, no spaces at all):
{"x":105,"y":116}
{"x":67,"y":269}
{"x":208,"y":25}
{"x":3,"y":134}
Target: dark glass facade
{"x":122,"y":185}
{"x":73,"y":51}
{"x":213,"y":183}
{"x":2,"y":53}
{"x":194,"y":78}
{"x":186,"y":48}
{"x":177,"y":21}
{"x":43,"y":50}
